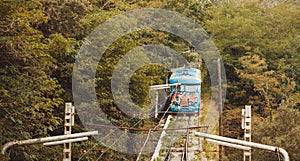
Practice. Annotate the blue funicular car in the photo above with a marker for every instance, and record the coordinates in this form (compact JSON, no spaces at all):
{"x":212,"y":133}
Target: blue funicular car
{"x":185,"y":97}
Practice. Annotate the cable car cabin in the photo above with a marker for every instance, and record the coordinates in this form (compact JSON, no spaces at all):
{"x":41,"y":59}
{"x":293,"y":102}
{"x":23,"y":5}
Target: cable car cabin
{"x":186,"y":96}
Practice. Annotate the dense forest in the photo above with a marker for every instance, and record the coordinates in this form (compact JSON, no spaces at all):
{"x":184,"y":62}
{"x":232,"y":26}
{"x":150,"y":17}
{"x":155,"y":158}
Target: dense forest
{"x":259,"y":43}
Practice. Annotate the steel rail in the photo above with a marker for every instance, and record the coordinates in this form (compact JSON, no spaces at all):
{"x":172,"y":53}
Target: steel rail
{"x":185,"y":152}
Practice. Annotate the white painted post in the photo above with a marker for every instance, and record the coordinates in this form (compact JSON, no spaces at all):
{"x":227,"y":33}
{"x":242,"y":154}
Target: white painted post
{"x":69,"y":122}
{"x":246,"y":125}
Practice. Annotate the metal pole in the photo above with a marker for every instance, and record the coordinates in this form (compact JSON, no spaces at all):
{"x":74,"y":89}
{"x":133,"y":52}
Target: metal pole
{"x":47,"y":139}
{"x":220,"y":109}
{"x":228,"y":144}
{"x":65,"y":141}
{"x":246,"y":143}
{"x":163,"y":86}
{"x":156,"y":104}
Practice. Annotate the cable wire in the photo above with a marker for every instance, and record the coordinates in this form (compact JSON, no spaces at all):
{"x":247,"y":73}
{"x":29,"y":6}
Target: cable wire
{"x":143,"y":145}
{"x":115,"y":142}
{"x":118,"y":139}
{"x":103,"y":139}
{"x":159,"y":123}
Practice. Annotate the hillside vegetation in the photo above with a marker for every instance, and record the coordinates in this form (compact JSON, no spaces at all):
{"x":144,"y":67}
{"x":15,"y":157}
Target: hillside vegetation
{"x":259,"y":43}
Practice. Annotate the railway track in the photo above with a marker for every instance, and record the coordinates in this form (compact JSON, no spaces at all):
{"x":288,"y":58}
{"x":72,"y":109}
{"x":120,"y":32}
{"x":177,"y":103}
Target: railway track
{"x":185,"y":152}
{"x":179,"y":144}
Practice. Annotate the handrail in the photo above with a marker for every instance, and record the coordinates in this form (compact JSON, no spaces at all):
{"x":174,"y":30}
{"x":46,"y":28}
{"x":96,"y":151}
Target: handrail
{"x":46,"y":139}
{"x":246,"y":143}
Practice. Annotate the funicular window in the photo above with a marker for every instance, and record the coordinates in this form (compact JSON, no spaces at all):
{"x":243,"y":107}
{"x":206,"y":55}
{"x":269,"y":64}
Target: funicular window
{"x":185,"y":72}
{"x":192,"y":88}
{"x":192,"y":92}
{"x":178,"y":73}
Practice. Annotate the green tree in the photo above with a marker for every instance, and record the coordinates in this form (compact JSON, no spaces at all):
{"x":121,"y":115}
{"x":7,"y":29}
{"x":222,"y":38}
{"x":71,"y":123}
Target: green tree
{"x":259,"y":45}
{"x":240,"y":28}
{"x":264,"y":81}
{"x":63,"y":17}
{"x":282,"y":131}
{"x":29,"y":94}
{"x":273,"y":88}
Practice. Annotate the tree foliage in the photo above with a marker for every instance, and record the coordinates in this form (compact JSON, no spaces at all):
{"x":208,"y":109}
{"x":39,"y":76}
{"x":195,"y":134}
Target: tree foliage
{"x":30,"y":94}
{"x":282,"y":131}
{"x":251,"y":28}
{"x":258,"y":44}
{"x":39,"y":40}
